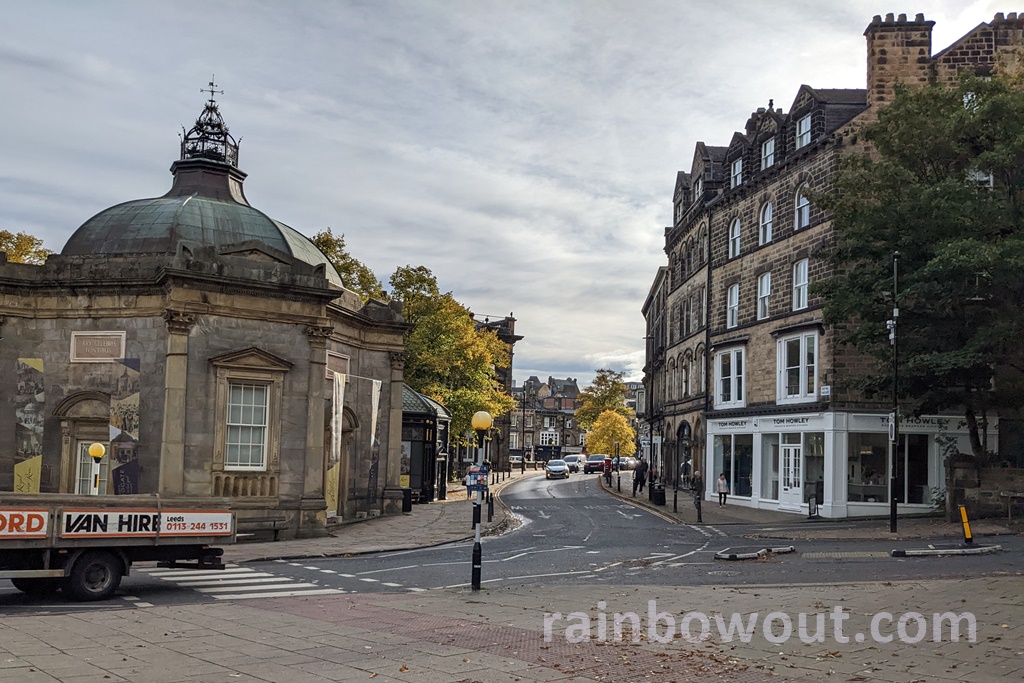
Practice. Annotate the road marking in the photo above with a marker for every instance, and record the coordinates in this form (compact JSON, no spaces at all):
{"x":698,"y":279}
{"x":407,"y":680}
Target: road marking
{"x":549,"y":550}
{"x":543,"y":514}
{"x":392,"y":585}
{"x":328,"y":571}
{"x":281,"y":594}
{"x":162,"y":573}
{"x":655,"y":556}
{"x":628,"y":516}
{"x":224,"y":582}
{"x":316,"y":569}
{"x":417,"y":590}
{"x":286,"y":585}
{"x":368,"y":580}
{"x":685,"y":564}
{"x":608,"y":566}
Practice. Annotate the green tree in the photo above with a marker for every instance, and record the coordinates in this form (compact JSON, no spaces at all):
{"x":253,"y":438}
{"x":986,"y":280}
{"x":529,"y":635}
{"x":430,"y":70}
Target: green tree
{"x":944,"y":190}
{"x":23,"y":248}
{"x":446,"y":356}
{"x":354,"y":273}
{"x":611,"y":427}
{"x":606,"y":392}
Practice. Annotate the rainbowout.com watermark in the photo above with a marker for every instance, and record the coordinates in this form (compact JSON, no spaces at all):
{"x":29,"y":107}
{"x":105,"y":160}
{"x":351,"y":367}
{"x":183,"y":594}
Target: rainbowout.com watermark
{"x":775,"y":627}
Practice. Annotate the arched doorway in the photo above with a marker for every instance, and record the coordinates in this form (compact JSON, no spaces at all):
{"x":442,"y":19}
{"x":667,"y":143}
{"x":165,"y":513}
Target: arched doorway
{"x":337,"y":468}
{"x":84,"y":419}
{"x":684,"y":441}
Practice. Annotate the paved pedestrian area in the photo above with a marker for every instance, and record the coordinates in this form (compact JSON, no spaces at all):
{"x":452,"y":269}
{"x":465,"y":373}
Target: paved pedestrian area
{"x":500,"y":636}
{"x":525,"y":633}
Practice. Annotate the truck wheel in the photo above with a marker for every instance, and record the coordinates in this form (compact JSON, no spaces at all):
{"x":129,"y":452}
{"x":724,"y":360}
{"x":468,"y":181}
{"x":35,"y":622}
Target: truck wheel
{"x":95,"y":576}
{"x":43,"y":586}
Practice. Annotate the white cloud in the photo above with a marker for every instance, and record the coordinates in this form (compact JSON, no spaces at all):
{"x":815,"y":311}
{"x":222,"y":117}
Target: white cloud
{"x":525,"y":152}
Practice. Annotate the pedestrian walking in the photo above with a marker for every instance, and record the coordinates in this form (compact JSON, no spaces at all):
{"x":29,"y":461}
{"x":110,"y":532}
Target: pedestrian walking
{"x":697,"y":486}
{"x":722,"y":486}
{"x":639,"y":476}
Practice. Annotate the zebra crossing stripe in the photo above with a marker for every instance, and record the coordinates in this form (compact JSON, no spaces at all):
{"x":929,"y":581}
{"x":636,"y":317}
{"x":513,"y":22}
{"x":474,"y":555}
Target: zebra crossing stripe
{"x":280,"y":594}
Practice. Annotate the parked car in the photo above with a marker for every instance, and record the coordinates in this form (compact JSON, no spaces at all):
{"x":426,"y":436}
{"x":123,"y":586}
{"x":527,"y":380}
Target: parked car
{"x":594,"y":463}
{"x":556,"y":469}
{"x":625,"y":462}
{"x":573,"y":461}
{"x":515,"y":460}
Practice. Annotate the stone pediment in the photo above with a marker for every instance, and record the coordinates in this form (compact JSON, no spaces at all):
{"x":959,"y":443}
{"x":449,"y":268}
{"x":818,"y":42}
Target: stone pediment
{"x":251,"y":359}
{"x":254,"y":249}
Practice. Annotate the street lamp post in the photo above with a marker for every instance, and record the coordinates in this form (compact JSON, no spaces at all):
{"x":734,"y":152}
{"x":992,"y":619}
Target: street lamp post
{"x":96,"y":451}
{"x":481,"y":423}
{"x":894,"y":417}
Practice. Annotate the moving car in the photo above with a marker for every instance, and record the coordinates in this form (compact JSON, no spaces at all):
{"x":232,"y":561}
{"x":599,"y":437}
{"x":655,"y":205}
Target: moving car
{"x":556,"y":469}
{"x":573,"y":461}
{"x":594,"y":463}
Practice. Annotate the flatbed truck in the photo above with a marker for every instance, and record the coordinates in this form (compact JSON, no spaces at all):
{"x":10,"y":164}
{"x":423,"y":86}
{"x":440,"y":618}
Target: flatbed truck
{"x":84,"y":545}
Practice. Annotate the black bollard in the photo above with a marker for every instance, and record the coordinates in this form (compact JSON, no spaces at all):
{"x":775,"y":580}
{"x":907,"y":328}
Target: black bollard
{"x":476,"y":514}
{"x":490,"y":507}
{"x":477,"y":561}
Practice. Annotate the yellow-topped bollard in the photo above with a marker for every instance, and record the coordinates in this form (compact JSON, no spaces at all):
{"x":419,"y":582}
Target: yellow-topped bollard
{"x":968,"y":538}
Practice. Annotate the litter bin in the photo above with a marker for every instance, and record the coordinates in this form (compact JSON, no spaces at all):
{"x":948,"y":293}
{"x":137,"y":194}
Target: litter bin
{"x":658,"y":494}
{"x":406,"y":499}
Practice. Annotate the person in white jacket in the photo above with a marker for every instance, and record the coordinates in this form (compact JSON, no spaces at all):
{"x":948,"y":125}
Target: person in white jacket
{"x":722,"y":486}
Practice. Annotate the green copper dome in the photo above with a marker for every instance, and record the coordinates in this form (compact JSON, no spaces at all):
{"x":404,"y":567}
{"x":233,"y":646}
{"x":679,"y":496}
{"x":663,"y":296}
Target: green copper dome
{"x":204,"y":207}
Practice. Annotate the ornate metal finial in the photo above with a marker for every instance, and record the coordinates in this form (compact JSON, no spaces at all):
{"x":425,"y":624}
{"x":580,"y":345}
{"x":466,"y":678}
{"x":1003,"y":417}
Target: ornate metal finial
{"x":209,"y":137}
{"x":211,"y":89}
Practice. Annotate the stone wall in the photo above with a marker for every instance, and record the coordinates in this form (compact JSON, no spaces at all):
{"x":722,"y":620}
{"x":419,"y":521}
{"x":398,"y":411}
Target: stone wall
{"x":979,"y":489}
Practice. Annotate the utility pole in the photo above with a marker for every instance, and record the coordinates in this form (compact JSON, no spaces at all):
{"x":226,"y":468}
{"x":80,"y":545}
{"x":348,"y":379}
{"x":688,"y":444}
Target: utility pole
{"x":894,"y":417}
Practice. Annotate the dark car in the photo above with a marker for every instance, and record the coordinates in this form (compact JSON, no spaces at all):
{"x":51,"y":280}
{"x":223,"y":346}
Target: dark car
{"x":573,"y":461}
{"x":594,"y":463}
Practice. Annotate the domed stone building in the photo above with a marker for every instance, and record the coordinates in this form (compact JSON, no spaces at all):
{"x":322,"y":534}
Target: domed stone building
{"x":198,"y":340}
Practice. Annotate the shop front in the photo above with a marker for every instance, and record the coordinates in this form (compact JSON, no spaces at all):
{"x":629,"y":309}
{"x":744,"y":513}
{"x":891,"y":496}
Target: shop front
{"x":836,"y":462}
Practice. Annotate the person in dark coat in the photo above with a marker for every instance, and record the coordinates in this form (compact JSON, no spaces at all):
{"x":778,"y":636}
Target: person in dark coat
{"x":639,"y":476}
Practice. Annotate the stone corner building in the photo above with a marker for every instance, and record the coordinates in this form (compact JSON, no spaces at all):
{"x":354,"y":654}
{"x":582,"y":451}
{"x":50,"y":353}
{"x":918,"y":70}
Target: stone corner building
{"x":742,"y":375}
{"x":197,"y":339}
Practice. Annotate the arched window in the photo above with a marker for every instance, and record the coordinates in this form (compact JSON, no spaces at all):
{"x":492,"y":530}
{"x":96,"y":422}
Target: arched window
{"x":765,"y":231}
{"x":734,"y":239}
{"x":803,"y":209}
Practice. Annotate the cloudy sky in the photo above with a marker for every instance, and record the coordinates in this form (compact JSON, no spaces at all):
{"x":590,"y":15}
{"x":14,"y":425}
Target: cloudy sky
{"x":523,"y":151}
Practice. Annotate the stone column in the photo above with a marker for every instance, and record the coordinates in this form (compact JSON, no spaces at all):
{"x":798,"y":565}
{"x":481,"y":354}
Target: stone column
{"x":313,"y":507}
{"x":172,"y":448}
{"x":393,"y":457}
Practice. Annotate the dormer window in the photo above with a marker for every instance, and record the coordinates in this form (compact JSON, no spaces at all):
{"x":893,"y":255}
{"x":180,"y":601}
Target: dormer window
{"x":736,"y":178}
{"x":698,"y":189}
{"x":679,"y":210}
{"x":768,"y":154}
{"x":803,"y":132}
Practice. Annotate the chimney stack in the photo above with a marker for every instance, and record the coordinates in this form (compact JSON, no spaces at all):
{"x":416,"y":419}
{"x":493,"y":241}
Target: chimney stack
{"x":899,"y":51}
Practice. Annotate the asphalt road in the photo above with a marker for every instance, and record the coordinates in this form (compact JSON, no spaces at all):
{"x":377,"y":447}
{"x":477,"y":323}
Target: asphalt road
{"x":570,"y":533}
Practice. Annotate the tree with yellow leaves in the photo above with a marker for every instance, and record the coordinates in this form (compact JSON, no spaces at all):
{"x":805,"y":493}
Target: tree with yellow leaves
{"x":23,"y":248}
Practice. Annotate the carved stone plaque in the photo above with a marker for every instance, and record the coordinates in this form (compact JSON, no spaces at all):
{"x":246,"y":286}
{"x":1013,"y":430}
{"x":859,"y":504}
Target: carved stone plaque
{"x":97,"y":347}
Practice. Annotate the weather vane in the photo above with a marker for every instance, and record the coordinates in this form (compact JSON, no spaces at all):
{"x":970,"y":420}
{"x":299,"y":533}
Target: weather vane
{"x":212,"y":89}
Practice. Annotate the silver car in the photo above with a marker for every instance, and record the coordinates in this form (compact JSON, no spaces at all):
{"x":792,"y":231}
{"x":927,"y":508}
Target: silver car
{"x":556,"y":469}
